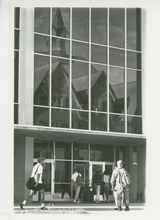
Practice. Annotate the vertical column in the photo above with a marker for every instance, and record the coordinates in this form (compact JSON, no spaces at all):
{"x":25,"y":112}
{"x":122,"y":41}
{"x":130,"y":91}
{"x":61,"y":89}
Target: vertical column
{"x":70,"y":75}
{"x":89,"y":91}
{"x":130,"y":171}
{"x":19,"y":168}
{"x":26,"y":69}
{"x":143,"y":79}
{"x":50,"y":71}
{"x":29,"y":143}
{"x":108,"y":71}
{"x":141,"y":172}
{"x":54,"y":167}
{"x":72,"y":168}
{"x":133,"y":170}
{"x":125,"y":71}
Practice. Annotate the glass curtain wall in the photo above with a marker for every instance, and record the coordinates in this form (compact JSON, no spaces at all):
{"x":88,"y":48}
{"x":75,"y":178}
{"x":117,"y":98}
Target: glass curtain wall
{"x":87,"y":69}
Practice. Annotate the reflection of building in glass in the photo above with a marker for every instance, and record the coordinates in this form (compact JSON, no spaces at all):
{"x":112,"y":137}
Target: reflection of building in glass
{"x":78,"y":102}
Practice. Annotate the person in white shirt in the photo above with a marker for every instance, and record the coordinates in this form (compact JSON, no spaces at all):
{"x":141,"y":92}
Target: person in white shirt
{"x":37,"y":174}
{"x":120,"y":185}
{"x":76,"y":185}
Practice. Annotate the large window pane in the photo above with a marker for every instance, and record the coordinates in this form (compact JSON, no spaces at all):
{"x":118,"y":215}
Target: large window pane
{"x":60,"y":82}
{"x":79,"y":120}
{"x":80,"y":85}
{"x":116,"y":90}
{"x":99,"y":54}
{"x":60,"y":118}
{"x":134,"y":125}
{"x":61,"y":22}
{"x":41,"y":116}
{"x":116,"y":27}
{"x":16,"y":71}
{"x":116,"y":57}
{"x":16,"y":17}
{"x":102,"y":153}
{"x":134,"y":102}
{"x":80,"y":24}
{"x":80,"y":151}
{"x":99,"y":121}
{"x":134,"y":60}
{"x":134,"y":28}
{"x":41,"y":80}
{"x":42,"y":20}
{"x":63,"y":172}
{"x":62,"y":150}
{"x":99,"y":88}
{"x":99,"y":25}
{"x":80,"y":51}
{"x":60,"y":47}
{"x":41,"y":44}
{"x":43,"y":148}
{"x":117,"y":123}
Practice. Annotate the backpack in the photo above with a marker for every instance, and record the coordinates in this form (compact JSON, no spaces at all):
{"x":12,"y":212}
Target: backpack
{"x":79,"y":180}
{"x":123,"y":179}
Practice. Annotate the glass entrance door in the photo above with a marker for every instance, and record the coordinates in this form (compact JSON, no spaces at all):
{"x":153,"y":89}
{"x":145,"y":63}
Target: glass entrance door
{"x":93,"y":167}
{"x":100,"y":166}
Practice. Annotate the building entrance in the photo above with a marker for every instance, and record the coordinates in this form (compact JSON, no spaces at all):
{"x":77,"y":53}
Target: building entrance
{"x":99,"y":166}
{"x":87,"y":174}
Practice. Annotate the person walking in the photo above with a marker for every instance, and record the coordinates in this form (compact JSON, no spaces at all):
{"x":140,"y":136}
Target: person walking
{"x":37,"y":174}
{"x":120,"y":186}
{"x":76,"y":181}
{"x":106,"y":186}
{"x":97,"y":183}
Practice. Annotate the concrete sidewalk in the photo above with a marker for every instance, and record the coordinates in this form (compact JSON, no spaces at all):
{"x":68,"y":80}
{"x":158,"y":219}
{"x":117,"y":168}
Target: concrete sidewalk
{"x":71,"y":208}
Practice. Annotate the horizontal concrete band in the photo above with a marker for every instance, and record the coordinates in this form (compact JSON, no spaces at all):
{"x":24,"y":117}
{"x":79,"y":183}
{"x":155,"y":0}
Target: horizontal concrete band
{"x":70,"y":135}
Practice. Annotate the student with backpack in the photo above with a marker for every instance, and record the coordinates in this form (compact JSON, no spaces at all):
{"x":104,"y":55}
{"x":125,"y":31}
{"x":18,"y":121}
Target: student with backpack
{"x":120,"y":186}
{"x":36,"y":184}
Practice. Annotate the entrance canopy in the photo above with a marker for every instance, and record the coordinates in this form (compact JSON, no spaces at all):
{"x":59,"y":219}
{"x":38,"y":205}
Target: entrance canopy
{"x":81,"y":136}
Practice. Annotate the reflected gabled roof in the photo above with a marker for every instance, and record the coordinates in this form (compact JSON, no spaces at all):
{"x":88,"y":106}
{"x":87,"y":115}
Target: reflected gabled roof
{"x":42,"y":70}
{"x":81,"y":83}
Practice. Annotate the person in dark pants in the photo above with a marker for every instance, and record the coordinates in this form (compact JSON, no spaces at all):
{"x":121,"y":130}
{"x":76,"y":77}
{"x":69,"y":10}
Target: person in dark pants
{"x":120,"y":182}
{"x":37,"y":173}
{"x":97,"y":183}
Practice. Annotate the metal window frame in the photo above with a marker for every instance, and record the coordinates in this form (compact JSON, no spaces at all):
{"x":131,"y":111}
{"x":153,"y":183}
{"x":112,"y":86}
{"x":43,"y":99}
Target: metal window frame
{"x":90,"y":63}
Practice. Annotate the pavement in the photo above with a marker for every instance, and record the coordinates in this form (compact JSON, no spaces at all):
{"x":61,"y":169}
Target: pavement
{"x":71,"y":208}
